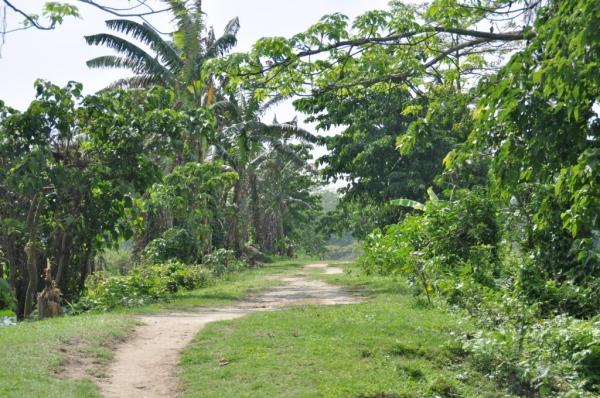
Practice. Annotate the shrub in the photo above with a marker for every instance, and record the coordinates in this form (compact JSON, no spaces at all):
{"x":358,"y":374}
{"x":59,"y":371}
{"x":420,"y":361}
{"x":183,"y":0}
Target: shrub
{"x":6,"y":299}
{"x":559,"y":356}
{"x":222,"y":261}
{"x":143,"y":285}
{"x":175,"y":244}
{"x":449,"y":248}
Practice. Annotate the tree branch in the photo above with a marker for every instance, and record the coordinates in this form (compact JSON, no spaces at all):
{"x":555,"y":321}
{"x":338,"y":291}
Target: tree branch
{"x":29,"y":18}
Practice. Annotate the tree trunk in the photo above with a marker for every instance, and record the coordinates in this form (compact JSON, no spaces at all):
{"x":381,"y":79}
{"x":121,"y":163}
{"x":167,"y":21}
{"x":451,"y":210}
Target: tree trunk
{"x":31,"y":252}
{"x":256,"y":216}
{"x":62,"y":256}
{"x":86,"y":269}
{"x":32,"y":281}
{"x":239,"y":236}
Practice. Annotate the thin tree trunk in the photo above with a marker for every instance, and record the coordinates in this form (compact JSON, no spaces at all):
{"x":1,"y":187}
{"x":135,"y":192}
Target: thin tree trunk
{"x":31,"y":253}
{"x":61,"y":257}
{"x":32,"y":281}
{"x":256,"y":216}
{"x":237,"y":200}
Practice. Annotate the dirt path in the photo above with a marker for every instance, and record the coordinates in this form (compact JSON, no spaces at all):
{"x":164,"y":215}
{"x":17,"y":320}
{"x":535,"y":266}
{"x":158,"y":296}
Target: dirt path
{"x":146,"y":365}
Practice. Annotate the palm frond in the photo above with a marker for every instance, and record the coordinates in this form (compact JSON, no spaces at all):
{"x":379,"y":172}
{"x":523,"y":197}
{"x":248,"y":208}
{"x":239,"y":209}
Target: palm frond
{"x":150,"y":37}
{"x":109,"y":61}
{"x":137,"y":57}
{"x":182,"y":16}
{"x":234,"y":129}
{"x":289,"y":131}
{"x":226,"y":42}
{"x":271,"y":102}
{"x":290,"y":154}
{"x":135,"y":82}
{"x":226,"y":106}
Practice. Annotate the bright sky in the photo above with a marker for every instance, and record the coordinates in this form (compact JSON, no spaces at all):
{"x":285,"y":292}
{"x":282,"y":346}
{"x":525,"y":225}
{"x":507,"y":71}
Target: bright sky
{"x":60,"y":55}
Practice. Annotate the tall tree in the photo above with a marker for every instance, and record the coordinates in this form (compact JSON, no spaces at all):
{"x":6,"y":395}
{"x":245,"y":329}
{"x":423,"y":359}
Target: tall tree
{"x":245,"y":142}
{"x":70,"y":168}
{"x":177,"y":62}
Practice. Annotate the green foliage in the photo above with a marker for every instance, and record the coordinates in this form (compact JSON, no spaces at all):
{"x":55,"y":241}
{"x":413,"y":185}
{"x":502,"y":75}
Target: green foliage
{"x":145,"y":284}
{"x":222,"y":261}
{"x":56,"y":12}
{"x":6,"y":298}
{"x":408,"y":203}
{"x":74,"y":165}
{"x":453,"y":249}
{"x":175,"y":244}
{"x":557,"y":356}
{"x":188,"y":200}
{"x":445,"y":249}
{"x":539,"y":118}
{"x":115,"y":261}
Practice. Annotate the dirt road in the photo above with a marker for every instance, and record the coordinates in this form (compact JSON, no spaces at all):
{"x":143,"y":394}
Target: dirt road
{"x":146,"y":365}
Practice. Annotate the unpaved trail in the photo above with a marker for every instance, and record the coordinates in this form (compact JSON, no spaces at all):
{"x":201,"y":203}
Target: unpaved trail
{"x":146,"y":365}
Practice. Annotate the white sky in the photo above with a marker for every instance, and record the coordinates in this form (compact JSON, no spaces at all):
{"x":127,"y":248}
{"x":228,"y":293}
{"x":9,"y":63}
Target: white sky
{"x":60,"y":55}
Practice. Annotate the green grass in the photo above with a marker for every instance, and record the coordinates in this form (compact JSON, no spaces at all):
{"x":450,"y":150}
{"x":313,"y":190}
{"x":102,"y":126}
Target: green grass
{"x":232,"y":288}
{"x":390,"y":346}
{"x":32,"y":353}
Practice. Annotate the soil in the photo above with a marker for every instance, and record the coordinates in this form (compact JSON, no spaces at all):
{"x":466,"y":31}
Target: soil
{"x":146,"y":364}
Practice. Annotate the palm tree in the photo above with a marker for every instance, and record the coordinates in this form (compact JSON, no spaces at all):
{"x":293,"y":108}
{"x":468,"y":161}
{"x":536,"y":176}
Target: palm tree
{"x":283,"y":183}
{"x":175,"y":63}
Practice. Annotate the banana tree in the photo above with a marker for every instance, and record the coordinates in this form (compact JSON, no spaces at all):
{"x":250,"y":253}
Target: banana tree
{"x":176,"y":62}
{"x":245,"y":142}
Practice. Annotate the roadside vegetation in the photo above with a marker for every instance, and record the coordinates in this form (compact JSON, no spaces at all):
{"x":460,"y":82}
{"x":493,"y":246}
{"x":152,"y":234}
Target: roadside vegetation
{"x":468,"y":160}
{"x":392,"y":345}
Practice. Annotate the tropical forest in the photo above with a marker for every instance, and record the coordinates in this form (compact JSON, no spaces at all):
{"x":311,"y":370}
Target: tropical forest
{"x":342,"y":198}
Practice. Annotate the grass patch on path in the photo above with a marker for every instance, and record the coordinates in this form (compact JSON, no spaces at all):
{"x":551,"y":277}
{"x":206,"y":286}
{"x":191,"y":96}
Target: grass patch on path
{"x":389,"y":346}
{"x":32,"y":354}
{"x":233,"y":288}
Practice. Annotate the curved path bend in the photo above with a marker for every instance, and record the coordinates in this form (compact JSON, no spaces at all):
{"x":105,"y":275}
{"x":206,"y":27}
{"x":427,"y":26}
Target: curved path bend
{"x":146,"y":365}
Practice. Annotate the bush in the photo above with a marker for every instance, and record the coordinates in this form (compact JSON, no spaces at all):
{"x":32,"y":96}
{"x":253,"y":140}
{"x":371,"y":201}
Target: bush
{"x":6,"y":299}
{"x":143,"y":285}
{"x":559,"y":356}
{"x":529,"y":335}
{"x":449,"y":248}
{"x":175,"y":244}
{"x":115,"y":261}
{"x":222,"y":261}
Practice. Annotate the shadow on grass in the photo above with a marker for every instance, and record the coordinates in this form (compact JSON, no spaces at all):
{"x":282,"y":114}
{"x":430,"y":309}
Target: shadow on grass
{"x":199,"y":295}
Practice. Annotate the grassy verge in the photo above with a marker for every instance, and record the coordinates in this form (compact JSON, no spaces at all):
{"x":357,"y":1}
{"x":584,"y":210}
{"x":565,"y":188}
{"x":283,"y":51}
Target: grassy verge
{"x":32,"y":354}
{"x":390,"y":346}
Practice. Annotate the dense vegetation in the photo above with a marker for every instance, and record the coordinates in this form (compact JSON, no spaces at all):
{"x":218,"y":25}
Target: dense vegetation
{"x":176,"y":174}
{"x":470,"y":146}
{"x":469,"y":149}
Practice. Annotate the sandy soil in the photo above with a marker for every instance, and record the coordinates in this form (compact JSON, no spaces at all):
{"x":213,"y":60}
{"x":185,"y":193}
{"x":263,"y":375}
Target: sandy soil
{"x":146,"y":365}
